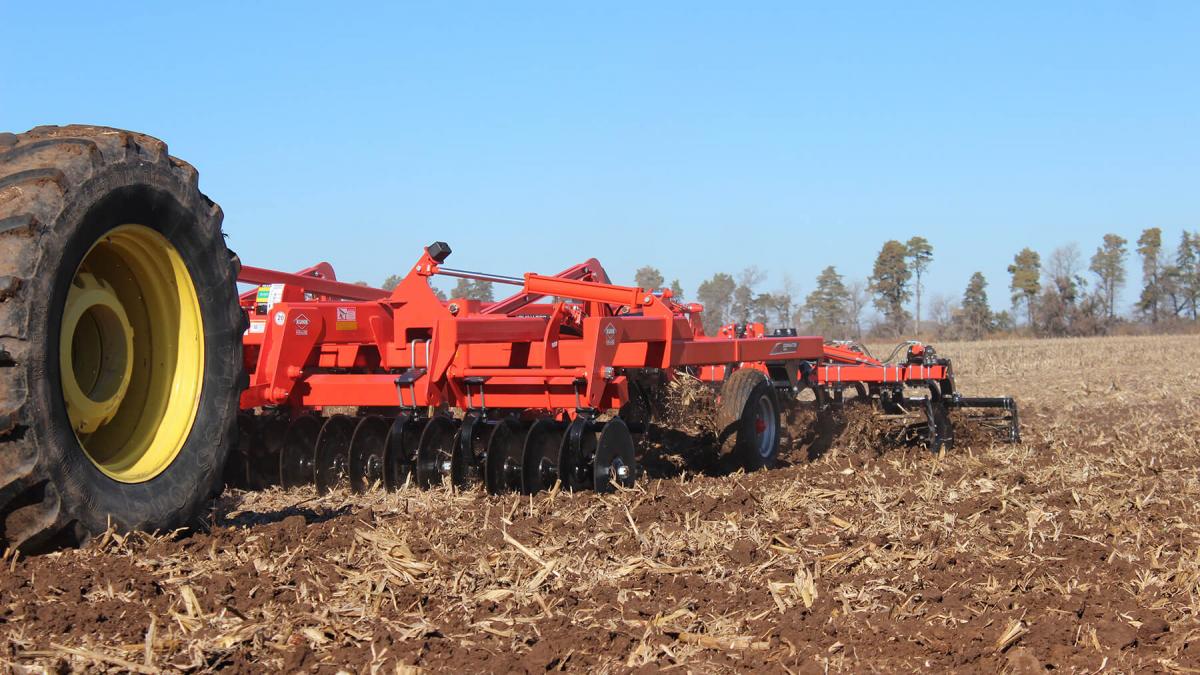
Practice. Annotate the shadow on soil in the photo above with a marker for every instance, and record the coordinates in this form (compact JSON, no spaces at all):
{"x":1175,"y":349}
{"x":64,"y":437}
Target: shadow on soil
{"x":228,"y":514}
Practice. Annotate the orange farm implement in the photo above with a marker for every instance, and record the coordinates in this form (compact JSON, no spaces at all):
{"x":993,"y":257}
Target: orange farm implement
{"x":535,"y":384}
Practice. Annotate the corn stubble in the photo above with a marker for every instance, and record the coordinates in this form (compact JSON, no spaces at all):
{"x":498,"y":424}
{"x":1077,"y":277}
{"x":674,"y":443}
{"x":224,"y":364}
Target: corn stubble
{"x":1078,"y":549}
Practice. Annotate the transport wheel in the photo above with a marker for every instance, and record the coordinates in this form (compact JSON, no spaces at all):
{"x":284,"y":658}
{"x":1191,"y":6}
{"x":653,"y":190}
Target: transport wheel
{"x":748,"y":419}
{"x":120,"y":338}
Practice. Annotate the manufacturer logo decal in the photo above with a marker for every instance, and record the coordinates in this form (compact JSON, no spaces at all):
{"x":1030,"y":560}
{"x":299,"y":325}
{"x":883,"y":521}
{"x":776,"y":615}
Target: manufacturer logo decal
{"x":301,"y":322}
{"x":784,"y":348}
{"x":610,"y":335}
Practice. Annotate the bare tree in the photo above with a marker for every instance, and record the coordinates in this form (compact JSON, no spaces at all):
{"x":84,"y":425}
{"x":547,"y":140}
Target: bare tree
{"x":1065,"y":262}
{"x":859,"y":297}
{"x":942,"y":310}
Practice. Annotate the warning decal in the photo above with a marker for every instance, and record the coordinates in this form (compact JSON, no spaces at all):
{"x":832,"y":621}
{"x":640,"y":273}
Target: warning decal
{"x":347,"y":318}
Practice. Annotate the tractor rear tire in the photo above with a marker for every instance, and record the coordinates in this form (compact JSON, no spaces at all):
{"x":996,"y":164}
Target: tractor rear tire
{"x":120,"y":338}
{"x":748,"y":419}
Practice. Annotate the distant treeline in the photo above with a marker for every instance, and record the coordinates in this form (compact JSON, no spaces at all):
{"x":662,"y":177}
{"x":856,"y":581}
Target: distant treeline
{"x":1055,"y":297}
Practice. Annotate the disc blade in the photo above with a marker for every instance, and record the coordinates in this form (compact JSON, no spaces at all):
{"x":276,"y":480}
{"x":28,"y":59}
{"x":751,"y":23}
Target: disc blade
{"x":367,"y":449}
{"x":333,"y":453}
{"x":265,"y":457}
{"x":539,"y":461}
{"x":614,"y":461}
{"x":502,"y":465}
{"x":466,"y":464}
{"x":435,"y":449}
{"x":237,"y":466}
{"x":400,"y":454}
{"x":297,"y":457}
{"x":575,"y":455}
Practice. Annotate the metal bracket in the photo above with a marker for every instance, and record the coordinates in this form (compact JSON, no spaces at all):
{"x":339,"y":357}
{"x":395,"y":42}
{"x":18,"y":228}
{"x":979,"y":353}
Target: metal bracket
{"x":589,"y":413}
{"x":409,"y":379}
{"x":479,"y":381}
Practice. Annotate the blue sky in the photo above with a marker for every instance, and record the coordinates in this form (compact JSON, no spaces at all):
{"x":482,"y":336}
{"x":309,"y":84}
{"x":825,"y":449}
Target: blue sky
{"x":696,"y":137}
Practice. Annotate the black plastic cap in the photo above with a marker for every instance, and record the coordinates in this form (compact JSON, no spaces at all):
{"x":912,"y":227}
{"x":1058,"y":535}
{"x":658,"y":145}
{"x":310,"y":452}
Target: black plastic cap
{"x":439,"y":251}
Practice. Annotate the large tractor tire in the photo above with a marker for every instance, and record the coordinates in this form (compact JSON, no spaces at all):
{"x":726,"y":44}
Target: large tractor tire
{"x":120,"y":338}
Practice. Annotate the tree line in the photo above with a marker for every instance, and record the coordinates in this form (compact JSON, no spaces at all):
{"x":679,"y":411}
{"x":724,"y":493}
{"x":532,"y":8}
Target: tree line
{"x":1057,"y":296}
{"x":1057,"y":299}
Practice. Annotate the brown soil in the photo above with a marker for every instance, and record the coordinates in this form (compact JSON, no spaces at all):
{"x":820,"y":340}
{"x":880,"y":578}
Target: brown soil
{"x":1076,"y":550}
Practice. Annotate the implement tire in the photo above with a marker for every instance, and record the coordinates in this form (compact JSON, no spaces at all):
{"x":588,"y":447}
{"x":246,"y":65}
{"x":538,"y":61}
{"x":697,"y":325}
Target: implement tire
{"x":748,"y":419}
{"x":120,"y":338}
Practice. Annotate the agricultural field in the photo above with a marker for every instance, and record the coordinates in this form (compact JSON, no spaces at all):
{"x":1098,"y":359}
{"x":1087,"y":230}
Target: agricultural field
{"x":1077,"y":550}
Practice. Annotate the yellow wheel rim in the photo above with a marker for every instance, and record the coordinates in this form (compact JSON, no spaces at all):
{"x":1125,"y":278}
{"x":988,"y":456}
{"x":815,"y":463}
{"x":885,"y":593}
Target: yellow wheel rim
{"x":131,"y":353}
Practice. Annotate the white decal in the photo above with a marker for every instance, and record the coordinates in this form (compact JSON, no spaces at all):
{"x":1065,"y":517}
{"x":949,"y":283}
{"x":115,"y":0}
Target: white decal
{"x":257,"y":327}
{"x":610,"y":335}
{"x":301,"y":322}
{"x":274,"y":296}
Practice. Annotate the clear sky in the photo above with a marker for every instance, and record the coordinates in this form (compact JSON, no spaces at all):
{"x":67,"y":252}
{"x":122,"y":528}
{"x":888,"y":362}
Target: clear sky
{"x":697,"y":137}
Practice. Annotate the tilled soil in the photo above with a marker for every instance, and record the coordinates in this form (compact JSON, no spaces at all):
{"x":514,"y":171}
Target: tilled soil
{"x":1076,"y":550}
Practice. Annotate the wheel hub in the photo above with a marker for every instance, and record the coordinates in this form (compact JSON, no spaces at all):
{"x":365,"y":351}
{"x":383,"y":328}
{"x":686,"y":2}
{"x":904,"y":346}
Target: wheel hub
{"x":96,"y":351}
